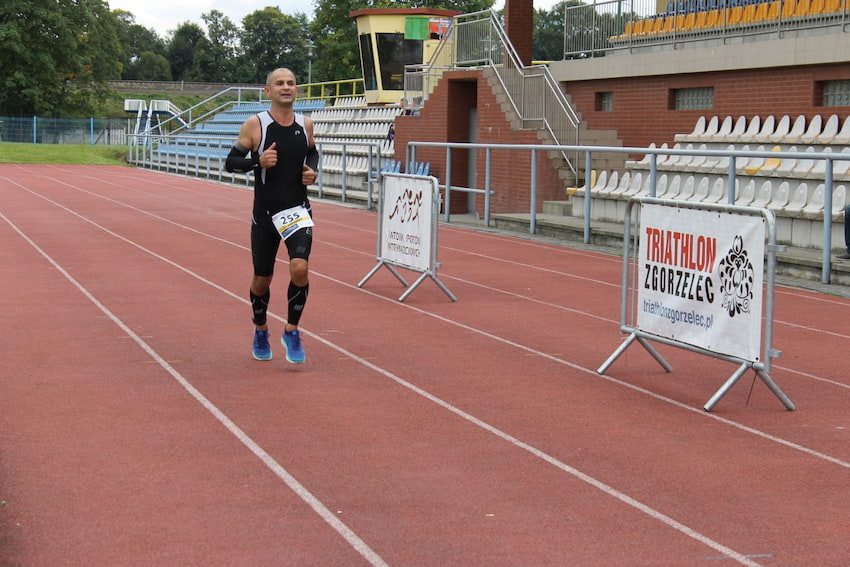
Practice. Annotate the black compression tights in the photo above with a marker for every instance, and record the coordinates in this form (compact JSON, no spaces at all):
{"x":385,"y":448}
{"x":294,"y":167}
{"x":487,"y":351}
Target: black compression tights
{"x":297,"y":297}
{"x":260,"y":305}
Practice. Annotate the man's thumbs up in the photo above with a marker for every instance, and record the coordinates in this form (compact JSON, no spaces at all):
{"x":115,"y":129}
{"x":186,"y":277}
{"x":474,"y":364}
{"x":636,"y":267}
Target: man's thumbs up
{"x":308,"y":176}
{"x":269,"y":157}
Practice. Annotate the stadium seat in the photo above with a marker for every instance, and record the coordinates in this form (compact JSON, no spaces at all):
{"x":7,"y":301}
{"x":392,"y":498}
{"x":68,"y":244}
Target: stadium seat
{"x":783,"y":127}
{"x":748,"y":193}
{"x":771,"y":163}
{"x":843,"y":136}
{"x":813,"y":132}
{"x":768,"y":127}
{"x":687,"y":191}
{"x":623,"y":185}
{"x":753,"y":129}
{"x":781,"y":195}
{"x":671,"y":189}
{"x":701,"y":191}
{"x":737,"y":131}
{"x":818,"y":170}
{"x":601,"y":181}
{"x":831,"y":6}
{"x":797,"y":201}
{"x":753,"y":164}
{"x":841,"y":168}
{"x":786,"y":167}
{"x":723,"y":131}
{"x":635,"y":184}
{"x":788,"y":9}
{"x":804,"y":165}
{"x":764,"y":194}
{"x":660,"y":186}
{"x":613,"y":182}
{"x":717,"y":193}
{"x":795,"y":133}
{"x":711,"y":129}
{"x":696,"y":133}
{"x":830,"y":130}
{"x":814,"y":207}
{"x":839,"y":199}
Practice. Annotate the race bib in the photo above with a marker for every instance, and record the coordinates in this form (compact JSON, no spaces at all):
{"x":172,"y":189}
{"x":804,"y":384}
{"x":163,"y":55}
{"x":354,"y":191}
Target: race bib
{"x":290,"y":221}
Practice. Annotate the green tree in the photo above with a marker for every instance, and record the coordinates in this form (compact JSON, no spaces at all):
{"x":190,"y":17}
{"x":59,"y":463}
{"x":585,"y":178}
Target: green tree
{"x":150,"y":66}
{"x":217,"y":58}
{"x":136,"y":40}
{"x":271,"y":39}
{"x":56,"y":56}
{"x":186,"y":41}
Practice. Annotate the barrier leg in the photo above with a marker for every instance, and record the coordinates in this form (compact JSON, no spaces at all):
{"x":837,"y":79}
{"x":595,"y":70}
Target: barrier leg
{"x":726,"y":387}
{"x":765,"y":377}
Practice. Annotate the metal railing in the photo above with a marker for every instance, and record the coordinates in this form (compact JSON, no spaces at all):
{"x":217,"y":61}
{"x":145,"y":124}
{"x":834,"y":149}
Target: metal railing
{"x":204,"y":156}
{"x":653,"y":153}
{"x":477,"y":40}
{"x":600,"y":27}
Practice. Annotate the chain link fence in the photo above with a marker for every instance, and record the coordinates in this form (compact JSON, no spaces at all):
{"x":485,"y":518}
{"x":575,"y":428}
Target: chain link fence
{"x":92,"y":131}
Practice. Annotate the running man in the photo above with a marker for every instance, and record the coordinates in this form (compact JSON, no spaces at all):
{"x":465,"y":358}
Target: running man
{"x":277,"y":145}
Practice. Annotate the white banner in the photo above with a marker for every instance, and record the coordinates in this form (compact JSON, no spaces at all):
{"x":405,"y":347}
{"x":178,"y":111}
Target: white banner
{"x":700,"y":278}
{"x":407,"y":222}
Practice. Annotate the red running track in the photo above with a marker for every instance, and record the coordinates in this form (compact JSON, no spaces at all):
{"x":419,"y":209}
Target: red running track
{"x":136,"y":429}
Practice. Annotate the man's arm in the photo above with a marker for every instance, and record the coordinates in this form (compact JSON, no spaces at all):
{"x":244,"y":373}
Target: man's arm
{"x":237,"y":159}
{"x":311,"y":163}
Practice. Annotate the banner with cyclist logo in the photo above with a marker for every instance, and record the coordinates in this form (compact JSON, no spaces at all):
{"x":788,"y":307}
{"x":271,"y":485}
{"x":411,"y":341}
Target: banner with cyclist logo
{"x":700,"y":278}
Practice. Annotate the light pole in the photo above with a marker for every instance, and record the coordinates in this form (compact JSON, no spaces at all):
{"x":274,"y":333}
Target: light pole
{"x":309,"y":61}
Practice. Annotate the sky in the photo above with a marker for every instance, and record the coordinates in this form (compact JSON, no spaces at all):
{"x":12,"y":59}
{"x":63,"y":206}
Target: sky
{"x":165,"y":15}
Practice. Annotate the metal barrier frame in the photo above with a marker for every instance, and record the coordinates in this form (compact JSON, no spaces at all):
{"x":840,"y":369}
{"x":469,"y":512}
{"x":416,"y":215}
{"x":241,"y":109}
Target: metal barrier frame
{"x":628,"y":325}
{"x":433,"y":264}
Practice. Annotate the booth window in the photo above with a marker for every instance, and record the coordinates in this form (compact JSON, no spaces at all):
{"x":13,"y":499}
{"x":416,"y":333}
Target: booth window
{"x":394,"y":52}
{"x":836,"y":93}
{"x":370,"y":78}
{"x":693,"y":99}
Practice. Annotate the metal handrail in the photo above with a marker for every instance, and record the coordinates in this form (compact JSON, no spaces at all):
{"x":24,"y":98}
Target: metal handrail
{"x":477,"y":40}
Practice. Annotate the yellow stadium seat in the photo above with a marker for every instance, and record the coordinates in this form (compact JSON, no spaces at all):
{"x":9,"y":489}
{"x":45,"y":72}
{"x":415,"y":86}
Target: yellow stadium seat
{"x":816,"y":7}
{"x":702,"y":20}
{"x":749,"y":15}
{"x":788,"y":8}
{"x":690,"y":20}
{"x":734,"y":15}
{"x":773,"y":11}
{"x":831,"y":6}
{"x":761,"y":12}
{"x":655,"y":25}
{"x":668,"y":24}
{"x":802,"y":8}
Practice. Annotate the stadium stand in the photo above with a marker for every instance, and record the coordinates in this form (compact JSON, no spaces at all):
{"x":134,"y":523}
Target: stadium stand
{"x":780,"y":184}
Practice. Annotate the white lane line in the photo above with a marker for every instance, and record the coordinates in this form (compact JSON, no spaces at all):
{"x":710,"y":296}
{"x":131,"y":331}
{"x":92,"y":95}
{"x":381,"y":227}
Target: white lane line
{"x":592,"y":372}
{"x":299,"y":489}
{"x":302,"y":492}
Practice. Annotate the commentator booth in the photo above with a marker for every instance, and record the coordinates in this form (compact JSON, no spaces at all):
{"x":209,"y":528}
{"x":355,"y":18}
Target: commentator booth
{"x":391,"y":38}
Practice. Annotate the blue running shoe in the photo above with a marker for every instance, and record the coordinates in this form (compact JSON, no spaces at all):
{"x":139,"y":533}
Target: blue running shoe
{"x":262,"y":349}
{"x":292,"y":343}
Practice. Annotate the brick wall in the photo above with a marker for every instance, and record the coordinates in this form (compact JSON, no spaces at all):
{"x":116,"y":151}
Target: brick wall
{"x":642,"y":113}
{"x":445,"y":118}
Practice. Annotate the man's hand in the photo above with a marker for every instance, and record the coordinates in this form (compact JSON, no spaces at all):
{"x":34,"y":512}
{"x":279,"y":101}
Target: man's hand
{"x":308,"y":176}
{"x":269,"y":157}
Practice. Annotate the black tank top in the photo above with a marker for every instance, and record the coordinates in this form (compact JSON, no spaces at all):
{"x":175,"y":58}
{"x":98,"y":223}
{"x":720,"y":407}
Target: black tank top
{"x":280,"y":187}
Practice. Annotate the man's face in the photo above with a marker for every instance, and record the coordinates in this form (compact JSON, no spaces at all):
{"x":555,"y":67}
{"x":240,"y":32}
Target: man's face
{"x":282,"y":86}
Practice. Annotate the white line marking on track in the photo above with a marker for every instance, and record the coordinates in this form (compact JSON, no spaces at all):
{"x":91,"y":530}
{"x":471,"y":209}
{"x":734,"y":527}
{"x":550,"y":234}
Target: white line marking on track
{"x":299,"y":489}
{"x":651,"y":512}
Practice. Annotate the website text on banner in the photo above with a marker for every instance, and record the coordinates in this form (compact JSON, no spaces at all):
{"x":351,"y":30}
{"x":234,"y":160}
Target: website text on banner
{"x":700,"y":278}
